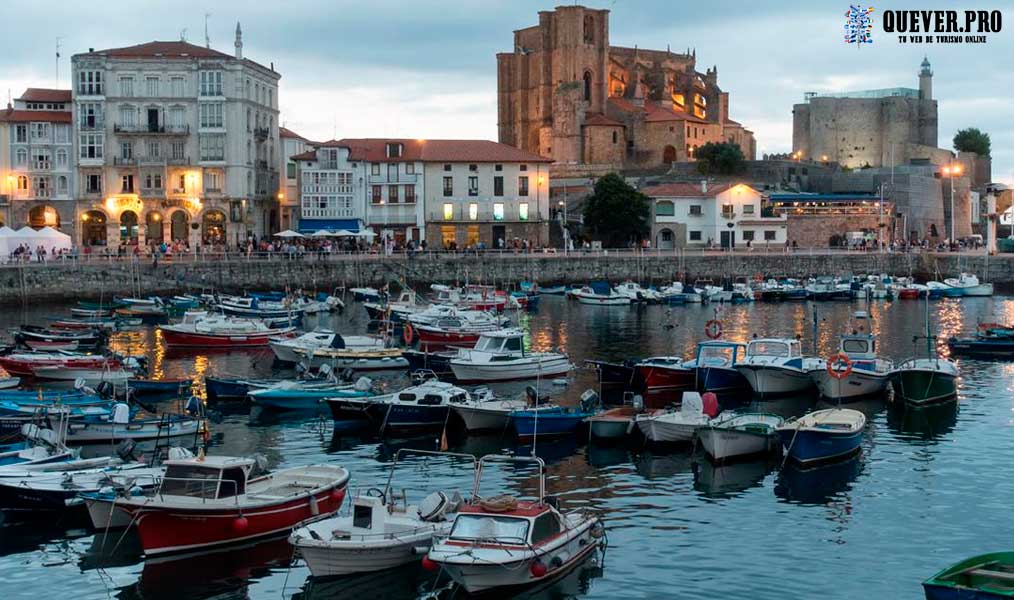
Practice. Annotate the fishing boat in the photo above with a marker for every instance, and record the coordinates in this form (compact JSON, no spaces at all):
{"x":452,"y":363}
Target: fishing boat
{"x":501,"y":355}
{"x":661,"y":380}
{"x":365,"y":294}
{"x":357,"y":358}
{"x":8,"y":383}
{"x":35,"y":492}
{"x":393,"y":310}
{"x":562,"y":421}
{"x":25,"y":363}
{"x":38,"y":338}
{"x":256,"y":308}
{"x":379,"y":532}
{"x":775,"y":367}
{"x":613,"y":424}
{"x":613,"y":373}
{"x":732,"y":435}
{"x":485,"y":412}
{"x":307,"y":395}
{"x":121,"y":425}
{"x":823,"y":435}
{"x":969,"y":285}
{"x":714,"y":367}
{"x":600,"y":294}
{"x":502,"y":543}
{"x":451,"y":331}
{"x":202,"y":330}
{"x":855,"y":372}
{"x":421,"y":407}
{"x":992,"y":340}
{"x":41,"y":446}
{"x":678,"y":426}
{"x":159,"y":387}
{"x":984,"y":577}
{"x":939,"y":289}
{"x":553,"y":290}
{"x":285,"y":347}
{"x":925,"y":381}
{"x":636,"y":293}
{"x":216,"y":500}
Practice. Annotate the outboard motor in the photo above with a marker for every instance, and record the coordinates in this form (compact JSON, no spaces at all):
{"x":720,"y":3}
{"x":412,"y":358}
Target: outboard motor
{"x":325,"y":371}
{"x":104,"y":389}
{"x":121,"y":414}
{"x":637,"y":402}
{"x":589,"y":401}
{"x":347,"y":374}
{"x":531,"y":395}
{"x":125,"y":450}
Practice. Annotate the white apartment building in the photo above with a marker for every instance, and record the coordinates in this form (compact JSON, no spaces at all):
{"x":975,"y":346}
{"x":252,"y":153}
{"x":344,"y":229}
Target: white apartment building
{"x":37,"y":161}
{"x":288,"y":189}
{"x":175,"y":142}
{"x":724,"y":215}
{"x":331,"y":189}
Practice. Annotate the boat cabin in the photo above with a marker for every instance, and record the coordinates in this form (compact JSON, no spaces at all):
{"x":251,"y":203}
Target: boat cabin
{"x":719,"y":354}
{"x":508,"y":342}
{"x":433,"y":393}
{"x":208,"y":478}
{"x":522,"y":523}
{"x":859,"y":346}
{"x":775,"y":348}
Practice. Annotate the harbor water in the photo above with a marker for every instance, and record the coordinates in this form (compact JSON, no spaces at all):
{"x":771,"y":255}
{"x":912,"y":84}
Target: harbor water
{"x":928,"y":489}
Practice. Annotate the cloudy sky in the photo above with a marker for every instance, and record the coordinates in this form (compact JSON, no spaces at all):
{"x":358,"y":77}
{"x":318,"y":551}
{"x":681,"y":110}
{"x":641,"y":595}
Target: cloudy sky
{"x":427,"y":68}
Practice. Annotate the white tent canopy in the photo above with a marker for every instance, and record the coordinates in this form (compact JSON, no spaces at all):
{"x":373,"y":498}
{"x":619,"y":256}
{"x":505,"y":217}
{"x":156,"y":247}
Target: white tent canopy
{"x":288,"y":233}
{"x":47,"y":237}
{"x":5,"y":248}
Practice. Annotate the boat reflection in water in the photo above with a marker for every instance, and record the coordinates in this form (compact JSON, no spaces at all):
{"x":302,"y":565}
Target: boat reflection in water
{"x":787,"y":407}
{"x":729,"y":480}
{"x":110,"y":549}
{"x":926,"y":424}
{"x":662,"y":466}
{"x":609,"y":455}
{"x":401,"y":583}
{"x":818,"y":485}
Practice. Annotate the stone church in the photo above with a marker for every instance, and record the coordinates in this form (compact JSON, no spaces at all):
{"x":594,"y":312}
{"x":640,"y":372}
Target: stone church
{"x":565,"y":93}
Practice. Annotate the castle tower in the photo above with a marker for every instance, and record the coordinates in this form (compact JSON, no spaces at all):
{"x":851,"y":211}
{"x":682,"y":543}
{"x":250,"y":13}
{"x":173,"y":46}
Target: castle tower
{"x":925,"y":80}
{"x":239,"y":42}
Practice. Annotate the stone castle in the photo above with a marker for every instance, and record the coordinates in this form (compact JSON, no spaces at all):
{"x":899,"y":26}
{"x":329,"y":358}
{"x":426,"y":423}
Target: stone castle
{"x":565,"y":93}
{"x":870,"y":128}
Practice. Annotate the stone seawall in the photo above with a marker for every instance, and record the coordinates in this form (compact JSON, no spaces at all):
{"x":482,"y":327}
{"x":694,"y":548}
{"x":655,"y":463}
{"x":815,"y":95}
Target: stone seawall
{"x":66,"y":282}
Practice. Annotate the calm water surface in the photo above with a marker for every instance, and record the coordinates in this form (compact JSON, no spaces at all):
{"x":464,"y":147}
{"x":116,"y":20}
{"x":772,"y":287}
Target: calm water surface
{"x":927,"y":490}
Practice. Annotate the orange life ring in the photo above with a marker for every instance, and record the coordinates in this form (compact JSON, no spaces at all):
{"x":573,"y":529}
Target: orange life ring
{"x":834,"y":361}
{"x":407,"y":333}
{"x":713,"y":329}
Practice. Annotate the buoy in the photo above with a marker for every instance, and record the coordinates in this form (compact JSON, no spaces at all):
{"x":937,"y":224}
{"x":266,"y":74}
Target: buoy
{"x":710,"y":401}
{"x":429,"y":564}
{"x":538,"y":569}
{"x":240,"y":523}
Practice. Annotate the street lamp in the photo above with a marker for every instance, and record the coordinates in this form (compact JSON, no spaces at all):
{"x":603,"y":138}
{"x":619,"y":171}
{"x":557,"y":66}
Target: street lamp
{"x":952,"y":171}
{"x":566,"y":241}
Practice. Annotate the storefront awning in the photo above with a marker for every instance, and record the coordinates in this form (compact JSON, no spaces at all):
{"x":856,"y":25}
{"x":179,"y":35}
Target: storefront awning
{"x":314,"y":225}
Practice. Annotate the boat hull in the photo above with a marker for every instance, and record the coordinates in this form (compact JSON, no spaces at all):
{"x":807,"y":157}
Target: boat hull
{"x":806,"y":446}
{"x":725,"y":444}
{"x":179,"y":339}
{"x":329,"y":561}
{"x":923,"y":386}
{"x":529,"y":425}
{"x":114,"y":432}
{"x":769,"y":381}
{"x":507,"y":370}
{"x":720,"y":380}
{"x":659,"y":431}
{"x":859,"y":384}
{"x":663,"y":385}
{"x":482,"y":419}
{"x":609,"y":429}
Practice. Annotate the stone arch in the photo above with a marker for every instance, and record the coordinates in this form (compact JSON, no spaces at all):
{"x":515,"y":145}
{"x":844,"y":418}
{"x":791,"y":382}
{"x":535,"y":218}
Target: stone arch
{"x":587,"y":86}
{"x":179,"y":225}
{"x":665,"y":240}
{"x":43,"y":215}
{"x":128,"y":227}
{"x":213,"y":227}
{"x":669,"y":155}
{"x":93,"y":228}
{"x":154,"y":227}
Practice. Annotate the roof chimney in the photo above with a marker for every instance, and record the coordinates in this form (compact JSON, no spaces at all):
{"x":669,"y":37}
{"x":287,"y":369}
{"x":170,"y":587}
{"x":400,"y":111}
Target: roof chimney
{"x":704,"y":186}
{"x":239,"y":42}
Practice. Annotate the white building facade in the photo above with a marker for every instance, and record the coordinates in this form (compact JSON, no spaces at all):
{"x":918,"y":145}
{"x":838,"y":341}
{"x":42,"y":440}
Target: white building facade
{"x":288,"y":189}
{"x":720,"y":216}
{"x":331,"y":189}
{"x":175,"y":142}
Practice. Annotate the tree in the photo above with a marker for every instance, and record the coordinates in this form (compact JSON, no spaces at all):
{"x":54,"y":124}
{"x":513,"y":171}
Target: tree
{"x":616,"y":212}
{"x":972,"y":140}
{"x":723,"y":158}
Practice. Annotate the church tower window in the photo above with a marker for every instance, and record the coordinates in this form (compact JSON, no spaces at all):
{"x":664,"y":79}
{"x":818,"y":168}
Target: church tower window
{"x":587,"y":85}
{"x":589,"y":29}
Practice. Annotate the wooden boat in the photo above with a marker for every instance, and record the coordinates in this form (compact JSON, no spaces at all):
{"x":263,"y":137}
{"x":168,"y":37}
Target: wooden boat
{"x":775,"y":367}
{"x":211,"y":501}
{"x":823,"y":435}
{"x":984,"y":577}
{"x":615,"y":423}
{"x":501,"y":356}
{"x":505,"y":544}
{"x":212,"y":331}
{"x":121,"y":426}
{"x":737,"y":435}
{"x":678,"y":426}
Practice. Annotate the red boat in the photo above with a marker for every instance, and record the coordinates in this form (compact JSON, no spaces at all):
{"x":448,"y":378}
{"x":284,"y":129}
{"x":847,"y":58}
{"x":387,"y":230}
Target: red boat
{"x":908,"y":294}
{"x":454,"y":331}
{"x":212,"y":501}
{"x":25,"y":363}
{"x":662,"y":380}
{"x":214,"y":331}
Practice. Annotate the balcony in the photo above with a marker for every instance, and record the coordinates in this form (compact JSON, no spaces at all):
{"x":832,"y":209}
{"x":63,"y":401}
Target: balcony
{"x":119,"y":161}
{"x":179,"y":160}
{"x":460,"y":214}
{"x":398,"y":179}
{"x":327,"y":213}
{"x":148,"y":129}
{"x":91,"y":125}
{"x":41,"y":165}
{"x":153,"y":192}
{"x":262,"y":165}
{"x":261,"y":133}
{"x":152,"y":161}
{"x":176,"y":191}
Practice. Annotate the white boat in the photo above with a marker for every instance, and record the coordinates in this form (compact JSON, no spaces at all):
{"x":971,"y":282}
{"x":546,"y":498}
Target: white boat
{"x":285,"y":347}
{"x":119,"y":426}
{"x":359,"y":359}
{"x":501,"y":355}
{"x":736,"y":435}
{"x":487,"y":413}
{"x":36,"y":491}
{"x":503,"y":543}
{"x":855,"y":372}
{"x":675,"y":426}
{"x":7,"y":383}
{"x":970,"y":285}
{"x":636,"y":293}
{"x":586,"y":295}
{"x":89,"y":377}
{"x":775,"y":366}
{"x":615,"y":423}
{"x":378,"y":532}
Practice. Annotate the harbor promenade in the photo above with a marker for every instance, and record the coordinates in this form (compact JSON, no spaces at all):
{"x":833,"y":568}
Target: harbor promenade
{"x":97,"y":277}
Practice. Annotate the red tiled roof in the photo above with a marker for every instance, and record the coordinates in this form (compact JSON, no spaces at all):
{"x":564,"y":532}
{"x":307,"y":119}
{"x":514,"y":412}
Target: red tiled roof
{"x":45,"y":95}
{"x":685,"y":190}
{"x":11,"y":115}
{"x":156,"y":49}
{"x":654,"y":112}
{"x":375,"y":150}
{"x":308,"y":155}
{"x":599,"y":119}
{"x":288,"y":133}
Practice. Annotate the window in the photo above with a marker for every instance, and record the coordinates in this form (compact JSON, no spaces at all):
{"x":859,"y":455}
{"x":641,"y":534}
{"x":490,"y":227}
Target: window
{"x":177,"y":117}
{"x":410,"y":168}
{"x":151,"y":86}
{"x":587,"y":85}
{"x":498,"y":185}
{"x":89,"y":115}
{"x":447,"y":167}
{"x":176,"y":87}
{"x":665,"y":208}
{"x":154,"y":150}
{"x":40,"y":159}
{"x":93,"y":183}
{"x":61,"y":184}
{"x":212,"y":147}
{"x":126,"y":87}
{"x":61,"y":158}
{"x":211,"y":83}
{"x":409,"y":194}
{"x":448,"y":211}
{"x":615,"y":137}
{"x":21,"y":157}
{"x":394,"y":150}
{"x":448,"y":186}
{"x":211,"y":114}
{"x":176,"y":151}
{"x":290,"y":170}
{"x":770,"y":235}
{"x":392,"y":172}
{"x":748,"y":209}
{"x":545,"y":527}
{"x":22,"y":183}
{"x":523,"y":167}
{"x":498,"y":168}
{"x":375,"y":169}
{"x":89,"y":83}
{"x":728,"y":211}
{"x":498,"y":211}
{"x":523,"y":185}
{"x":40,"y":132}
{"x":523,"y":211}
{"x":41,"y":187}
{"x":126,"y":150}
{"x":473,"y":168}
{"x":127,"y":114}
{"x":473,"y":211}
{"x":153,"y":181}
{"x":127,"y":184}
{"x":90,"y":145}
{"x":62,"y":133}
{"x":392,"y":194}
{"x":748,"y":236}
{"x":695,"y":210}
{"x":212,"y":182}
{"x":695,"y":236}
{"x":378,"y":194}
{"x":21,"y":134}
{"x":473,"y":185}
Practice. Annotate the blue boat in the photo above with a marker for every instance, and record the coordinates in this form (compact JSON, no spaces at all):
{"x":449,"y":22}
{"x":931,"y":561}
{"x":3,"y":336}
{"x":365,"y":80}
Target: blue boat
{"x":47,"y":395}
{"x":153,"y":387}
{"x":554,"y":290}
{"x":715,"y":367}
{"x":558,"y":421}
{"x":305,"y":397}
{"x":219,"y":388}
{"x":823,"y":435}
{"x":271,"y":296}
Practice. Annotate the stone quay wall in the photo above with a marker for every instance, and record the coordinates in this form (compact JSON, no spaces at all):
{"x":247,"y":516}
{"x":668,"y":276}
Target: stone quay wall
{"x":71,"y":282}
